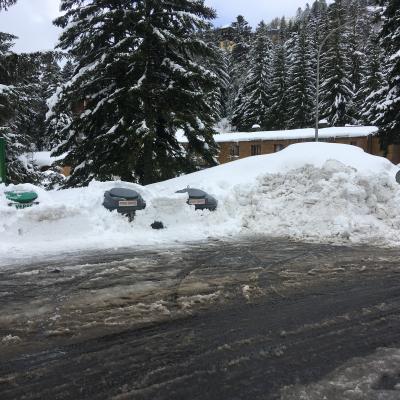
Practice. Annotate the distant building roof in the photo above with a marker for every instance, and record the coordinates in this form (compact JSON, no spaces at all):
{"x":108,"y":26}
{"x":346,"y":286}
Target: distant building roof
{"x":308,"y":133}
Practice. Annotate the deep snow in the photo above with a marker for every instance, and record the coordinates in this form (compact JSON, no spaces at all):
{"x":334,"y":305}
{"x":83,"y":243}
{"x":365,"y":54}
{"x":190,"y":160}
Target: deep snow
{"x":309,"y":191}
{"x":370,"y":378}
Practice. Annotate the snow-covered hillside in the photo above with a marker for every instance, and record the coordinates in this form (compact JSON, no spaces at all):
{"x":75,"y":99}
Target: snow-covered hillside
{"x":309,"y":191}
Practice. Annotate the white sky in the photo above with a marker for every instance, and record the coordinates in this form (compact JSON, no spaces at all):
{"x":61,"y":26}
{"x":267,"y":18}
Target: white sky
{"x":31,"y":20}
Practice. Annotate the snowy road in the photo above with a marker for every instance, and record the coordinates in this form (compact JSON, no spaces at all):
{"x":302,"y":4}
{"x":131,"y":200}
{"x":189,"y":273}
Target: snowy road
{"x":214,"y":320}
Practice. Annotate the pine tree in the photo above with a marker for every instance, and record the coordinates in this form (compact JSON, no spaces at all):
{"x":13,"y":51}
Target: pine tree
{"x":4,"y":4}
{"x":373,"y":83}
{"x":140,"y":80}
{"x":278,"y":111}
{"x":239,"y":62}
{"x":41,"y":80}
{"x":58,"y":117}
{"x":284,"y":30}
{"x":6,"y":90}
{"x":336,"y":88}
{"x":301,"y":92}
{"x":253,"y":105}
{"x":359,"y":28}
{"x":318,"y":23}
{"x":15,"y":111}
{"x":218,"y":96}
{"x":389,"y":109}
{"x":27,"y":120}
{"x":67,"y":71}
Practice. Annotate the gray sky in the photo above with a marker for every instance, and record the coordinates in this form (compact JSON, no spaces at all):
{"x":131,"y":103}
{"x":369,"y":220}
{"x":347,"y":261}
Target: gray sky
{"x":31,"y":20}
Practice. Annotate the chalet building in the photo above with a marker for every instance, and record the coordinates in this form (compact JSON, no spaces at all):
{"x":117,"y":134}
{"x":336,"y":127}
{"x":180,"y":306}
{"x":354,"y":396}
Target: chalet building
{"x":234,"y":146}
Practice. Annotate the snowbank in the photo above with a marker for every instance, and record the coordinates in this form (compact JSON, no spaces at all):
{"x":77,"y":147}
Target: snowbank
{"x":369,"y":378}
{"x":220,"y":180}
{"x":309,"y":191}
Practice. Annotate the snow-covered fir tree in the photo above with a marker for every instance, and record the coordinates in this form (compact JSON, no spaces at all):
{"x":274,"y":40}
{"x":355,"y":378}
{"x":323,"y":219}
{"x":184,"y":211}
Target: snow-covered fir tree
{"x":239,"y":60}
{"x":317,"y":24}
{"x":301,"y":92}
{"x":359,"y":28}
{"x":4,"y":4}
{"x":6,"y":89}
{"x":373,"y":84}
{"x":278,"y":111}
{"x":28,"y":112}
{"x":389,"y":108}
{"x":40,"y":84}
{"x":218,"y":96}
{"x":58,"y":117}
{"x":336,"y":88}
{"x":67,"y":71}
{"x":139,"y":81}
{"x":15,"y":111}
{"x":252,"y":106}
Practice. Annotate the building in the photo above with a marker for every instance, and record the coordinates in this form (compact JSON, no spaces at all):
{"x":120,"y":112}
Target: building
{"x":237,"y":145}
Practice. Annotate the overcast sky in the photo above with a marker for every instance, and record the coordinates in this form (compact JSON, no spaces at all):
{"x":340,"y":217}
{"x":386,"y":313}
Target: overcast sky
{"x":31,"y":20}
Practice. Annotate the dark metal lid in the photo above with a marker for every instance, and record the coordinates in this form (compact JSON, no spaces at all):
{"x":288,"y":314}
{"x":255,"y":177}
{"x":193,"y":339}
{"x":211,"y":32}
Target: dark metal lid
{"x":193,"y":193}
{"x":398,"y":177}
{"x":124,"y":193}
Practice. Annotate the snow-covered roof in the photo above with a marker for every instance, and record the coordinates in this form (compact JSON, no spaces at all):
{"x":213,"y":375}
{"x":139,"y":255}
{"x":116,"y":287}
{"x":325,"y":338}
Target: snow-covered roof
{"x":308,"y":133}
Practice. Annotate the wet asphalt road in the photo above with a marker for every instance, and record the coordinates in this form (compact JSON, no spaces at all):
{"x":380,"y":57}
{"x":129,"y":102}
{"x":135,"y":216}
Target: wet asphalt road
{"x":214,"y":320}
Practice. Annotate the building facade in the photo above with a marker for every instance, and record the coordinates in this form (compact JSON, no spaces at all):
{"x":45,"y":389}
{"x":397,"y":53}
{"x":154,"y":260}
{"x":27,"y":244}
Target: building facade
{"x":234,"y":146}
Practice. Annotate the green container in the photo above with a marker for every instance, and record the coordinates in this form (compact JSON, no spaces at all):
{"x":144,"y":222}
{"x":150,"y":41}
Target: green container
{"x":21,"y":199}
{"x":3,"y":171}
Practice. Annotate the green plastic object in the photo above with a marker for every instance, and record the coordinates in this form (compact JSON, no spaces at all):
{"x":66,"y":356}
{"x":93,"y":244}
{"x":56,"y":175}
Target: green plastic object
{"x":21,"y":199}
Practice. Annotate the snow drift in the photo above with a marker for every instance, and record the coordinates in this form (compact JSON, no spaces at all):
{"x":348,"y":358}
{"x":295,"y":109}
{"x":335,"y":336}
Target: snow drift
{"x":309,"y":191}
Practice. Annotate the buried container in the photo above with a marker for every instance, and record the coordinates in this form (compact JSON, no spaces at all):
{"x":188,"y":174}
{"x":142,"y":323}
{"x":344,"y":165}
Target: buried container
{"x":200,"y":199}
{"x":125,"y":201}
{"x":20,"y":199}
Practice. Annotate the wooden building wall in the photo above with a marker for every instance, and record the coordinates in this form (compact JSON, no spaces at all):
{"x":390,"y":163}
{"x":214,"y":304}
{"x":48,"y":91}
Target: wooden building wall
{"x":369,"y":144}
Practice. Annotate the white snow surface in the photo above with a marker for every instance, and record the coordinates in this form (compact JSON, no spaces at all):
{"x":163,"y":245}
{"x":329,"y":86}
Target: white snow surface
{"x":44,"y":158}
{"x":375,"y":377}
{"x":309,"y":191}
{"x":292,"y":134}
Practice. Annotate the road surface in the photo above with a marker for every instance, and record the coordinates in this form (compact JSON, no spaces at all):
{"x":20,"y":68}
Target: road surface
{"x":241,"y":319}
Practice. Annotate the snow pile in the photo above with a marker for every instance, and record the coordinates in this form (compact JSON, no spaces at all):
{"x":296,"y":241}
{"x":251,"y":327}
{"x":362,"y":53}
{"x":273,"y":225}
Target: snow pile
{"x":222,"y":179}
{"x":370,"y":378}
{"x":309,"y":191}
{"x":333,"y":201}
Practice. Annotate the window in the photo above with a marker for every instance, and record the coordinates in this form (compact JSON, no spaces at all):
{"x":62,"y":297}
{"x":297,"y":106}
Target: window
{"x":234,"y":151}
{"x":255,"y":149}
{"x":278,"y":147}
